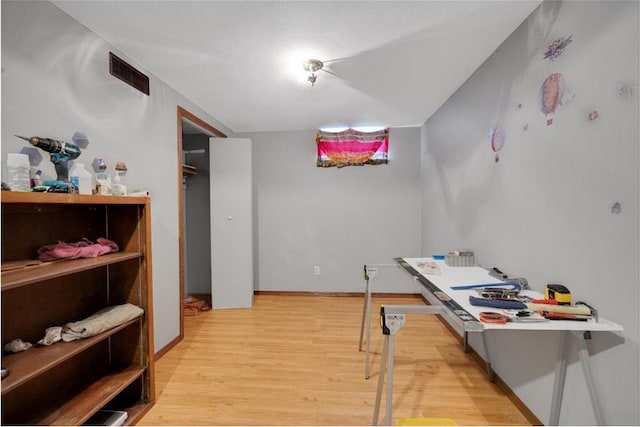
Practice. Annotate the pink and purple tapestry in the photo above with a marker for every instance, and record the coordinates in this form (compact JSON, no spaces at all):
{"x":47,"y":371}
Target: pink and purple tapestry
{"x":352,"y":148}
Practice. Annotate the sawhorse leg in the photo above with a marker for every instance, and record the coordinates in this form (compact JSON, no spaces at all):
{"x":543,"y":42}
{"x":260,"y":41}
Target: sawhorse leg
{"x":370,"y":271}
{"x":365,"y":309}
{"x":561,"y":373}
{"x":393,"y":317}
{"x":366,"y":325}
{"x":383,"y":361}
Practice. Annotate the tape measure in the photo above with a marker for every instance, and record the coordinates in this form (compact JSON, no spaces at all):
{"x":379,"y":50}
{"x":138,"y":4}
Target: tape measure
{"x":559,"y":293}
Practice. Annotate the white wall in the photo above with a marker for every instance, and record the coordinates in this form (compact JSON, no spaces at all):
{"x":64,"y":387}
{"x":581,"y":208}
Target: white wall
{"x":338,"y":219}
{"x":544,"y":210}
{"x":56,"y":81}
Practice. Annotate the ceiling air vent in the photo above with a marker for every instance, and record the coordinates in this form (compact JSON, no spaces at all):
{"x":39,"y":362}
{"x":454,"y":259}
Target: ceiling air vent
{"x":125,"y":72}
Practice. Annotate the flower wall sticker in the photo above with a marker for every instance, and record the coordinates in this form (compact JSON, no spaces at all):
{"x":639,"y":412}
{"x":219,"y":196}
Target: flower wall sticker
{"x":556,"y":48}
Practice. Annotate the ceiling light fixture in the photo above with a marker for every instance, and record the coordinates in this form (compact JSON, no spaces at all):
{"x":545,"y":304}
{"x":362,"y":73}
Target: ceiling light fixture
{"x":311,"y":66}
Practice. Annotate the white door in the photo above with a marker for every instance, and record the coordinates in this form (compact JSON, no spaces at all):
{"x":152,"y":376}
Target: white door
{"x":231,"y":223}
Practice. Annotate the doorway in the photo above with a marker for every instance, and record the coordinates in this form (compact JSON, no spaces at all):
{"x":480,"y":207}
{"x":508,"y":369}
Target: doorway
{"x":193,"y":157}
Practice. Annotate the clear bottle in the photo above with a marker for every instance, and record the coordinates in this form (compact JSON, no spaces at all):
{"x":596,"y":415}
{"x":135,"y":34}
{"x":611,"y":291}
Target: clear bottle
{"x":18,"y":172}
{"x":81,"y":178}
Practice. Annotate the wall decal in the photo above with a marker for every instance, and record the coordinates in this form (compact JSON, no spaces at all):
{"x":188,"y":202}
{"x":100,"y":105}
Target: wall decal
{"x":627,"y":91}
{"x":553,"y":93}
{"x":616,"y":208}
{"x":556,"y":48}
{"x":80,"y":139}
{"x":497,"y":138}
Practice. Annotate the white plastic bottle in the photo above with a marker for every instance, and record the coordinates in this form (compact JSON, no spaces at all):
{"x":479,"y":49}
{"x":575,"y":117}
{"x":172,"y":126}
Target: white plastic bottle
{"x":18,"y":172}
{"x":103,"y":179}
{"x":118,"y":187}
{"x":81,"y":178}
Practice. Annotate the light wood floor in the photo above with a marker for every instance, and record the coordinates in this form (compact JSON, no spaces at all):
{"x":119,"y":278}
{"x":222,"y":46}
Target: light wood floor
{"x":294,"y":360}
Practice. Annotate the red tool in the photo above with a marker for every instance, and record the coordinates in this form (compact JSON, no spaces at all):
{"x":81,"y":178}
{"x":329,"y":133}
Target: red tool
{"x":491,"y":317}
{"x":564,"y":316}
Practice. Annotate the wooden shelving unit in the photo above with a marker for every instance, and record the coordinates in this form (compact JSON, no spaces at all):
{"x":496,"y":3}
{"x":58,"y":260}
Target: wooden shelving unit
{"x":66,"y":383}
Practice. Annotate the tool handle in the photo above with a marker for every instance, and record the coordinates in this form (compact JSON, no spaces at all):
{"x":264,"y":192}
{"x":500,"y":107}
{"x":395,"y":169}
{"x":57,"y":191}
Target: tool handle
{"x":566,"y":309}
{"x":61,"y":164}
{"x":563,"y":316}
{"x":491,"y":317}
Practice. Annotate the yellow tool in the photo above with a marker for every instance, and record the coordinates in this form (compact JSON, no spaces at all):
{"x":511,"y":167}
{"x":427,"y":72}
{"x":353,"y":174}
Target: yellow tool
{"x":559,"y":293}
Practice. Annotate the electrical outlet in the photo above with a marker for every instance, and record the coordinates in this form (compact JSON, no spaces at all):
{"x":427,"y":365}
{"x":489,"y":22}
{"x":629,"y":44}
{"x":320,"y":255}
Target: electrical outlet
{"x":316,"y":270}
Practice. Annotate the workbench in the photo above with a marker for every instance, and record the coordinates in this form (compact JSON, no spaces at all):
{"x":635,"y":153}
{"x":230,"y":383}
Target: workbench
{"x":455,"y":307}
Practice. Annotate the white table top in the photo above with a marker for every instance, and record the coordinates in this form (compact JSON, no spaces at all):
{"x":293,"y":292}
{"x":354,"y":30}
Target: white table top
{"x":456,"y":276}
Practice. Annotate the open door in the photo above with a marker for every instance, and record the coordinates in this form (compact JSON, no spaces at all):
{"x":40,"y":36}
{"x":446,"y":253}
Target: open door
{"x":231,"y":223}
{"x":188,"y":123}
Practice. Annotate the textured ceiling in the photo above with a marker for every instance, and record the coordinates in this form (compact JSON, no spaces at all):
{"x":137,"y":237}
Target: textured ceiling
{"x":388,"y":63}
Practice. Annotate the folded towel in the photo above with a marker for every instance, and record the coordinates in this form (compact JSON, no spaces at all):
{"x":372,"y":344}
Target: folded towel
{"x":101,"y":321}
{"x":82,"y":249}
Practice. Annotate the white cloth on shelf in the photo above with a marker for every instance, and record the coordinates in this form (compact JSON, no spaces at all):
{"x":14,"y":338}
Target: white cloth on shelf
{"x":51,"y":335}
{"x":17,"y":346}
{"x":101,"y":321}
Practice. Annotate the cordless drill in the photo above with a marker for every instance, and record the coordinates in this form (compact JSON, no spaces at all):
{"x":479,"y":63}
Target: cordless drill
{"x":61,"y":153}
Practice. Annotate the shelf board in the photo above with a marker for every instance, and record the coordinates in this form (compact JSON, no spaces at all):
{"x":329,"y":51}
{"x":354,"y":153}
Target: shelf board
{"x":137,"y":411}
{"x":16,"y":278}
{"x":38,"y":359}
{"x":62,"y":198}
{"x":189,"y":170}
{"x":79,"y":409}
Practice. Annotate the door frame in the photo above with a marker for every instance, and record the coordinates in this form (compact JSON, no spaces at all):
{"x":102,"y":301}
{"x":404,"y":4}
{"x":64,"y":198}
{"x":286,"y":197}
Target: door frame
{"x":212,"y":132}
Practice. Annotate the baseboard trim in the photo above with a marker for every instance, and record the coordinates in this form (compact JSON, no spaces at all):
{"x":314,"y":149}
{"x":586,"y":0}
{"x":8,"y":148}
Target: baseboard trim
{"x":338,"y":294}
{"x":528,"y":414}
{"x":164,"y":350}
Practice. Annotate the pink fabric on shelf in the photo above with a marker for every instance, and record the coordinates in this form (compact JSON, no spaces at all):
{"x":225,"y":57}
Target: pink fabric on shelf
{"x":82,"y":249}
